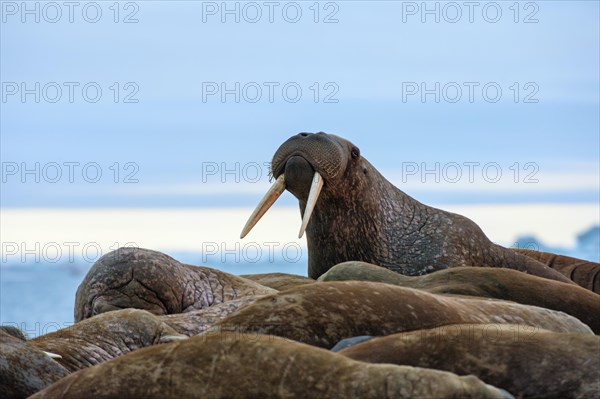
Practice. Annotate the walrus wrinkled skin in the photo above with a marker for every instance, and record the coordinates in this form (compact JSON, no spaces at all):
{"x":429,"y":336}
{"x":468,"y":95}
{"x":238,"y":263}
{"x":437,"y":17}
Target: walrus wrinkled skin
{"x":485,"y":282}
{"x":198,"y":321}
{"x":240,"y":366}
{"x":150,"y":280}
{"x":527,"y":364}
{"x":361,"y":216}
{"x":323,"y":314}
{"x":582,"y":272}
{"x":105,"y":337}
{"x":24,"y":369}
{"x":278,"y":281}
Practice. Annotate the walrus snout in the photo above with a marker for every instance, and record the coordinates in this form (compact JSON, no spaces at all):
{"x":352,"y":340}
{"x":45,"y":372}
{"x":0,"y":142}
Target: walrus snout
{"x":298,"y":177}
{"x":324,"y":152}
{"x":326,"y":155}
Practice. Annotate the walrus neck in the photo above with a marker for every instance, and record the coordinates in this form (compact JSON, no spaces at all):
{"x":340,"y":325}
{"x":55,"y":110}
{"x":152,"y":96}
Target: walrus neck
{"x":370,"y":218}
{"x":366,"y":218}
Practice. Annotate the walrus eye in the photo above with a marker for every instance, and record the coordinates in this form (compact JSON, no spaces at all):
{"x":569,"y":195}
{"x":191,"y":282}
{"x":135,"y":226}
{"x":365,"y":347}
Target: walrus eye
{"x":355,"y":152}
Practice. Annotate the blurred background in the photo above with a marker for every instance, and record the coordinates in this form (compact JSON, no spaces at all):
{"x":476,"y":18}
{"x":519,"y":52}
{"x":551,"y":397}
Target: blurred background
{"x":152,"y":124}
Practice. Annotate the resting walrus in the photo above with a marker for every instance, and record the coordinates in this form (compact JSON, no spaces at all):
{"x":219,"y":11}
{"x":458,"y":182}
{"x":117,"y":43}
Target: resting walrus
{"x":150,"y":280}
{"x":278,"y":281}
{"x":505,"y":284}
{"x":198,"y":321}
{"x":104,"y":337}
{"x":583,"y":272}
{"x":322,"y":314}
{"x":540,"y":364}
{"x":356,"y":214}
{"x":247,"y":366}
{"x":24,"y":369}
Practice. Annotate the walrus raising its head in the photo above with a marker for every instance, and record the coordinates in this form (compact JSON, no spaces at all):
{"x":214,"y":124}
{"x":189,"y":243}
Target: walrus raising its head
{"x":356,"y":214}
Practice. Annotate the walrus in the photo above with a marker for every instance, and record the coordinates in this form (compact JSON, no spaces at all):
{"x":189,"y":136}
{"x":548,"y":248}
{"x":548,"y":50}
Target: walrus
{"x":198,"y":321}
{"x":278,"y":281}
{"x":106,"y":336}
{"x":322,"y":314}
{"x":485,"y":282}
{"x":14,"y":331}
{"x":150,"y":280}
{"x":24,"y":369}
{"x":242,"y":366}
{"x":540,"y":364}
{"x":356,"y":214}
{"x":582,"y":272}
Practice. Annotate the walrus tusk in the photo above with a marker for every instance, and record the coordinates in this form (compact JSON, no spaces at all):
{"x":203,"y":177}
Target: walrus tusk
{"x":313,"y":195}
{"x":171,"y":338}
{"x":269,"y":199}
{"x":53,"y":355}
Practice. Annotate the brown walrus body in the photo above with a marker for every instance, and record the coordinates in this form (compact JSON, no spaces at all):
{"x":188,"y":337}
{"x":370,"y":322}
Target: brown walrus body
{"x":198,"y":321}
{"x":583,"y":272}
{"x":244,"y":366}
{"x":322,"y":314}
{"x":150,"y":280}
{"x":278,"y":281}
{"x":528,"y":364}
{"x":105,"y":337}
{"x":485,"y":282}
{"x":25,"y":369}
{"x":356,"y":214}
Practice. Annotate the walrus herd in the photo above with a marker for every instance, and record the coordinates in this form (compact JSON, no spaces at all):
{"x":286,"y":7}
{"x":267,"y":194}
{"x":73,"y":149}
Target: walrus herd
{"x":401,"y":301}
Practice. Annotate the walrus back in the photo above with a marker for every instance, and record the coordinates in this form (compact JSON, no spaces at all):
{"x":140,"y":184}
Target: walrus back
{"x":582,"y":272}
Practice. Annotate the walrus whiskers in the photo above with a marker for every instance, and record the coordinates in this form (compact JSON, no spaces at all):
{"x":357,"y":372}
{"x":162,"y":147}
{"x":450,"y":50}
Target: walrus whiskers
{"x":268,"y":200}
{"x":313,"y":196}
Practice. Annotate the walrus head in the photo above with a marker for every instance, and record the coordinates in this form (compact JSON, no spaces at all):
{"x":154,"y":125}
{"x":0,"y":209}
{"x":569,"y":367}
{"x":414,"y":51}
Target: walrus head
{"x":328,"y":176}
{"x":130,"y":278}
{"x":303,"y":165}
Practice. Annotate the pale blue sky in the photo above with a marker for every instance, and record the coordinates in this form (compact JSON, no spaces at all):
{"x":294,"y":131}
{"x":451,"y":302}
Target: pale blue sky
{"x":368,"y":56}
